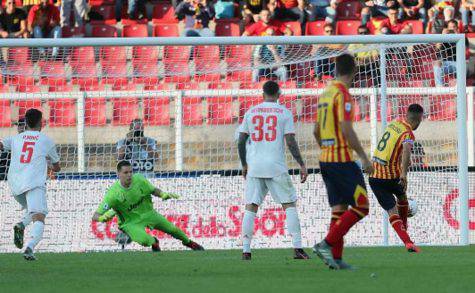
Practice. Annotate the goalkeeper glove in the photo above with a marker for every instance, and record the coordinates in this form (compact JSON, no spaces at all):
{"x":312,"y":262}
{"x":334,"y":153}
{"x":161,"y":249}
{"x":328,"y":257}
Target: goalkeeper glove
{"x":168,"y":195}
{"x":107,"y":216}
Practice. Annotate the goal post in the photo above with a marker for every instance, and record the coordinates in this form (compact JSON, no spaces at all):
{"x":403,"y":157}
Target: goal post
{"x":191,"y":108}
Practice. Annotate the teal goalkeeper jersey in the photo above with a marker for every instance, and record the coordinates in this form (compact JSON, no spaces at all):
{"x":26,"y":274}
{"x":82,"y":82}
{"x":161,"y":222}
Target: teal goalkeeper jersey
{"x":130,"y":204}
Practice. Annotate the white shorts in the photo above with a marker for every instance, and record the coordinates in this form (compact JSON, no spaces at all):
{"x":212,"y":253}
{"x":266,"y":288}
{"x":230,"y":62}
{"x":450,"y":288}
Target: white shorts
{"x":34,"y":200}
{"x":281,"y":189}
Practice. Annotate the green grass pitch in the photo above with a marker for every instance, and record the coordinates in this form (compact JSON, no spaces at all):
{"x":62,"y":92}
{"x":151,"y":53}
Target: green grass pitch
{"x":436,"y":269}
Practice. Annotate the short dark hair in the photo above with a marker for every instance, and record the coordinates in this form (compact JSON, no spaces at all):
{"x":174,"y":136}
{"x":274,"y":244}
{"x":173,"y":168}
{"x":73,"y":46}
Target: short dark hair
{"x":452,"y":21}
{"x":271,"y":88}
{"x":21,"y":121}
{"x":33,"y":117}
{"x":123,"y":163}
{"x":415,"y":108}
{"x":345,"y":64}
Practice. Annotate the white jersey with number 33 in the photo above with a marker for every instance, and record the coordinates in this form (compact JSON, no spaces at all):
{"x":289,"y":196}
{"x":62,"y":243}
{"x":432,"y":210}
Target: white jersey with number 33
{"x":28,"y":165}
{"x":267,"y":124}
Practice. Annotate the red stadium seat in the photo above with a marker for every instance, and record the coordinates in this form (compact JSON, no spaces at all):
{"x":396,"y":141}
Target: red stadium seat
{"x":236,"y":72}
{"x":84,"y":75}
{"x":93,"y":87}
{"x":23,"y":88}
{"x":389,"y":112}
{"x":208,"y":53}
{"x":405,"y":101}
{"x":116,"y":54}
{"x":145,"y":54}
{"x":289,"y":84}
{"x":417,"y":26}
{"x":95,"y":112}
{"x":176,"y":53}
{"x":24,"y":105}
{"x":124,"y":110}
{"x":101,"y":2}
{"x":135,"y":31}
{"x":82,"y":55}
{"x":220,"y":110}
{"x":347,"y":27}
{"x":192,"y":111}
{"x":62,"y":112}
{"x":104,"y":31}
{"x":309,"y":109}
{"x":233,"y":52}
{"x":158,"y":87}
{"x":349,"y":10}
{"x":245,"y":103}
{"x":114,"y":73}
{"x":226,"y":28}
{"x":61,"y":88}
{"x":126,"y":21}
{"x":53,"y":74}
{"x":72,"y":31}
{"x":20,"y":55}
{"x":207,"y":71}
{"x":177,"y":72}
{"x":315,"y":28}
{"x":5,"y":113}
{"x":20,"y":74}
{"x":290,"y":102}
{"x":4,"y":88}
{"x":443,"y":108}
{"x":188,"y":86}
{"x":107,"y":12}
{"x":163,"y":12}
{"x":156,"y":111}
{"x":124,"y":87}
{"x":166,"y":30}
{"x":295,"y":27}
{"x":252,"y":85}
{"x":220,"y":86}
{"x":146,"y":73}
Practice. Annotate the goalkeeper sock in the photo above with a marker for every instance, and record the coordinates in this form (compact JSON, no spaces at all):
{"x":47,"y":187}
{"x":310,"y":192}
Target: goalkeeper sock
{"x":247,"y":230}
{"x":26,"y":220}
{"x":347,"y":220}
{"x":36,"y":234}
{"x":337,"y":249}
{"x":293,"y":226}
{"x":397,"y":224}
{"x":403,"y":209}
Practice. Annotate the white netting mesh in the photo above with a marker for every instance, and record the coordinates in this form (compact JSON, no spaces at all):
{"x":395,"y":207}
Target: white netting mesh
{"x":112,"y":86}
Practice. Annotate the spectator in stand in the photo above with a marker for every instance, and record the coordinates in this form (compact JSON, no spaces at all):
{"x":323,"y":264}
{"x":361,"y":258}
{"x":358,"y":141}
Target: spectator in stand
{"x":367,"y":61}
{"x":438,"y":24}
{"x":13,"y":22}
{"x":325,"y":65}
{"x":136,"y":9}
{"x":197,"y":15}
{"x":267,"y":59}
{"x":447,"y":8}
{"x":288,"y":10}
{"x":446,"y":63}
{"x":80,"y":10}
{"x":252,"y":9}
{"x":468,"y":7}
{"x":375,"y":8}
{"x":393,"y":26}
{"x":265,"y":22}
{"x":322,"y":9}
{"x":412,"y":8}
{"x":43,"y":21}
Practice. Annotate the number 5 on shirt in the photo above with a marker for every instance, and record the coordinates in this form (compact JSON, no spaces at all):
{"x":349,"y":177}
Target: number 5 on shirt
{"x":27,"y":152}
{"x":270,"y":133}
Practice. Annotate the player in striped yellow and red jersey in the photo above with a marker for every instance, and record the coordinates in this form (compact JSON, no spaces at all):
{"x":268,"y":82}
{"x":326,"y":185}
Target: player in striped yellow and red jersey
{"x":342,"y":176}
{"x":391,"y":161}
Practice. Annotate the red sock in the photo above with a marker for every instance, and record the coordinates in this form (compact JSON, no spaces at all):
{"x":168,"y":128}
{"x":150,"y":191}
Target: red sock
{"x":403,"y":209}
{"x":337,"y":249}
{"x":397,"y":224}
{"x":347,"y":220}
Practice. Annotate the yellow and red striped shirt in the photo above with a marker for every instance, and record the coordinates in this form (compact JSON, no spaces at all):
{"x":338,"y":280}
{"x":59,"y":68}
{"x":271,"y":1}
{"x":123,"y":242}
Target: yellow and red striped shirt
{"x":334,"y":106}
{"x":387,"y":156}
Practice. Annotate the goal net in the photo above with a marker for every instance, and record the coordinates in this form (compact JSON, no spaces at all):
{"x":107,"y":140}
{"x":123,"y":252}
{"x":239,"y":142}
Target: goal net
{"x":173,"y":111}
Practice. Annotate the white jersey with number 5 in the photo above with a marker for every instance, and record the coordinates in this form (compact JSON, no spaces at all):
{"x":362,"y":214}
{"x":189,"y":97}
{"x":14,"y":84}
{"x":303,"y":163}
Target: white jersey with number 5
{"x":28,"y":166}
{"x":267,"y":124}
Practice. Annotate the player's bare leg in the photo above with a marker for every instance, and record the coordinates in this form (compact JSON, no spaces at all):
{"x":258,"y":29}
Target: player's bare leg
{"x":36,"y":235}
{"x":293,"y":227}
{"x":248,"y":229}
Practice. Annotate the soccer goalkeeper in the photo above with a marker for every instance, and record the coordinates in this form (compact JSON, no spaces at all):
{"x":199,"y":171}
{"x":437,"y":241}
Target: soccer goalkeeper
{"x":130,"y":199}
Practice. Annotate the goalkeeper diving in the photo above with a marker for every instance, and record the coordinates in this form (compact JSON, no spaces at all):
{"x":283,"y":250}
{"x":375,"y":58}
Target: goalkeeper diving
{"x":130,"y":199}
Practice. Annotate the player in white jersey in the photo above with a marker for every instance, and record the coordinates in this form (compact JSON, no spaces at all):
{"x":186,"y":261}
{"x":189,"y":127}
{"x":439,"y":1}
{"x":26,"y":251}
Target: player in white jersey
{"x":262,"y":153}
{"x":27,"y":177}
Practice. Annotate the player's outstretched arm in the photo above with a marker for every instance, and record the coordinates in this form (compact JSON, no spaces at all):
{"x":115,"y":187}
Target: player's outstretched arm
{"x":354,"y":142}
{"x":165,"y":195}
{"x":107,"y":216}
{"x":405,"y":163}
{"x":242,"y":151}
{"x":295,"y":151}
